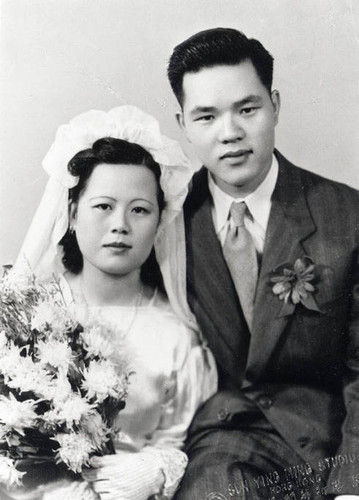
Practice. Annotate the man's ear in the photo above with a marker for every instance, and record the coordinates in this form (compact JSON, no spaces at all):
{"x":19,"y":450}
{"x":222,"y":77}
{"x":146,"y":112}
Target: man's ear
{"x":181,"y":123}
{"x":275,"y":98}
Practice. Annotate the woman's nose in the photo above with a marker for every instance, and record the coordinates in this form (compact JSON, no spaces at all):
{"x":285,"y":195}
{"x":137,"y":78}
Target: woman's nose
{"x":231,"y":129}
{"x":119,"y":222}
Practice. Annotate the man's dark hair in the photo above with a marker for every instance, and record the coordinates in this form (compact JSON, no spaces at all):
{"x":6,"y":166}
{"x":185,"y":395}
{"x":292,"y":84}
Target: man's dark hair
{"x":213,"y":47}
{"x":112,"y":151}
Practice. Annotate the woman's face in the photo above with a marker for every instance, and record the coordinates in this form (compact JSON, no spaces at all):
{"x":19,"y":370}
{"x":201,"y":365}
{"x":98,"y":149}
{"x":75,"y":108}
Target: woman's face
{"x":116,"y":218}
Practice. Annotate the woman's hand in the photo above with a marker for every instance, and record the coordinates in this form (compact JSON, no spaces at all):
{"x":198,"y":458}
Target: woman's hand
{"x":125,"y":475}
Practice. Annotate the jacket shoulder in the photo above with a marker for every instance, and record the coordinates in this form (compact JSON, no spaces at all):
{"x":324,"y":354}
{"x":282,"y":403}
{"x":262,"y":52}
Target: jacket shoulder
{"x":317,"y":186}
{"x":198,"y":191}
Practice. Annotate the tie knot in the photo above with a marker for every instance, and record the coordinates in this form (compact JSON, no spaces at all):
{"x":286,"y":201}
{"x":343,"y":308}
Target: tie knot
{"x":237,"y":212}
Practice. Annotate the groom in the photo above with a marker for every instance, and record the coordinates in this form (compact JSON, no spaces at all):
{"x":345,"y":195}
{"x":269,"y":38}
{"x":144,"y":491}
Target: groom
{"x":273,"y":277}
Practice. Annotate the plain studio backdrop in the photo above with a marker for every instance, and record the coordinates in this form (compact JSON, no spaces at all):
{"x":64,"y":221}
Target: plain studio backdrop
{"x":59,"y":58}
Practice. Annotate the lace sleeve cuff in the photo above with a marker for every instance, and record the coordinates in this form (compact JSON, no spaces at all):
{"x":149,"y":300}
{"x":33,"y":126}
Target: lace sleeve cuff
{"x":172,"y":463}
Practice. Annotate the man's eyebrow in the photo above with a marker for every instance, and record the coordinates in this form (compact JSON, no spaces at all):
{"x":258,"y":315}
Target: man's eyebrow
{"x":256,"y":99}
{"x":251,"y":98}
{"x":202,"y":109}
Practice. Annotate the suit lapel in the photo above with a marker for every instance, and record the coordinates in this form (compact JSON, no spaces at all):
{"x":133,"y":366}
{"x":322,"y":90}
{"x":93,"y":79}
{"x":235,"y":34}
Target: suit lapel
{"x":290,"y":224}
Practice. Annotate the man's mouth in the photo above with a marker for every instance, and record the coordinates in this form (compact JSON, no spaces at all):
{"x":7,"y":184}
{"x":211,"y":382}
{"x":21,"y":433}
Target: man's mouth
{"x":239,"y":153}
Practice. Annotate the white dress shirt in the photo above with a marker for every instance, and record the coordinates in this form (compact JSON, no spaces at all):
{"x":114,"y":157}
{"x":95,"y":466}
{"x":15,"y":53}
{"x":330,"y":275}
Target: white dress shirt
{"x":258,"y":203}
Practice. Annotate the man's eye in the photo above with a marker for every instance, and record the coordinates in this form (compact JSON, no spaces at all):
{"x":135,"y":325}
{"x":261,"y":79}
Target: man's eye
{"x":248,"y":111}
{"x":103,"y":206}
{"x":140,"y":210}
{"x":205,"y":118}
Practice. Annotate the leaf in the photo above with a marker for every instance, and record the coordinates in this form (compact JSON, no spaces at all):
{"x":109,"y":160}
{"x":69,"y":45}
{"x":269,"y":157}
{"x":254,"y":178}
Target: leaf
{"x":310,"y":304}
{"x":286,"y":310}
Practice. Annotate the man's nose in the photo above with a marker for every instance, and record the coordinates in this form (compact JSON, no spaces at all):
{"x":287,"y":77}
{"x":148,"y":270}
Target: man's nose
{"x":231,"y":129}
{"x":119,"y":222}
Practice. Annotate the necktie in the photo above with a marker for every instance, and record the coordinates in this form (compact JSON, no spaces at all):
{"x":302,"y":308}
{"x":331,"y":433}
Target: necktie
{"x":241,"y":257}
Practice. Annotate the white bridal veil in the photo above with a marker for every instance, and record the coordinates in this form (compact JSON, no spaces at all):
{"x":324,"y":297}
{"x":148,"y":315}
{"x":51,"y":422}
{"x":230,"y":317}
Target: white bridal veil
{"x":41,"y":253}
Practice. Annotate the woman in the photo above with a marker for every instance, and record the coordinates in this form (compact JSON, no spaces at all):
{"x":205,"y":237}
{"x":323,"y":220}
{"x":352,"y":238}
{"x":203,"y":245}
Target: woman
{"x":125,"y":184}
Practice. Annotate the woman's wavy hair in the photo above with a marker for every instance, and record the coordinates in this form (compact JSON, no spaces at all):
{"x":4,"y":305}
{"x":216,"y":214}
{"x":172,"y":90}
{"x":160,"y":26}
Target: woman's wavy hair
{"x":112,"y":151}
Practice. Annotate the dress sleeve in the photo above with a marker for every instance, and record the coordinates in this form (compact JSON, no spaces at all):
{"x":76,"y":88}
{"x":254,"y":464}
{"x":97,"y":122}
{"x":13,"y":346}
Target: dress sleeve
{"x":193,"y":381}
{"x":156,"y":469}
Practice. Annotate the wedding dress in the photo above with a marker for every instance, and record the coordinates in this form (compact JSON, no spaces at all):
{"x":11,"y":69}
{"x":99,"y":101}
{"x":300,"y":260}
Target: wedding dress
{"x":173,"y":374}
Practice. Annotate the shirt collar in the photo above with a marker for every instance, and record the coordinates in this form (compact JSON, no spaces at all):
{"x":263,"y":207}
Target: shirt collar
{"x":258,"y":202}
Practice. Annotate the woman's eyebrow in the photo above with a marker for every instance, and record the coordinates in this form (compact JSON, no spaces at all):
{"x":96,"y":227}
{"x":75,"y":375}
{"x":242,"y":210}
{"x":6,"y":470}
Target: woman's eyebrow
{"x":102,"y":196}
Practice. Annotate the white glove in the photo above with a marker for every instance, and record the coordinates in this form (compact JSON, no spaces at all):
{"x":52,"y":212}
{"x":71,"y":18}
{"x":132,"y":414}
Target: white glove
{"x":62,"y":489}
{"x":126,"y":475}
{"x":346,"y":497}
{"x":69,"y":490}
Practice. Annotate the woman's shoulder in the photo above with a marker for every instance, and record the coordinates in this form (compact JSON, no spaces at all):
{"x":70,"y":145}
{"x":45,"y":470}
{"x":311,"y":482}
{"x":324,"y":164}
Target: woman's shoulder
{"x":160,"y":301}
{"x":160,"y":305}
{"x":160,"y":314}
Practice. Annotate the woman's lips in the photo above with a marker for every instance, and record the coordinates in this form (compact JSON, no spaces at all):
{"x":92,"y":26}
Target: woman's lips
{"x":117,"y":244}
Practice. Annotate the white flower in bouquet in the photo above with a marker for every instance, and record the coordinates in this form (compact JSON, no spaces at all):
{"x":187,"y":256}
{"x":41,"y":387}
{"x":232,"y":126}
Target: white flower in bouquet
{"x":95,"y":428}
{"x":69,"y":411}
{"x":8,"y":473}
{"x":54,"y":352}
{"x":75,"y":449}
{"x":97,"y":344}
{"x":12,"y":362}
{"x":61,"y":388}
{"x":3,"y":344}
{"x":19,"y":284}
{"x":101,"y":380}
{"x":50,"y":314}
{"x":21,"y":373}
{"x":44,"y":314}
{"x":16,"y":415}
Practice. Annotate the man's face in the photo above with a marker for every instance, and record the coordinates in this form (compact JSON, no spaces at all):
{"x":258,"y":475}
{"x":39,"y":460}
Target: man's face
{"x":229,"y":117}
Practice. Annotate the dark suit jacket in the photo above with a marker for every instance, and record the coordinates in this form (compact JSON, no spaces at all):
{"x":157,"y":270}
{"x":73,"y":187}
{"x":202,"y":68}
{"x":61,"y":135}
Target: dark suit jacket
{"x":298,"y":359}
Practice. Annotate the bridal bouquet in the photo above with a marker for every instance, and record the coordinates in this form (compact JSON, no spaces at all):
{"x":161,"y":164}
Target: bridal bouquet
{"x":61,"y":383}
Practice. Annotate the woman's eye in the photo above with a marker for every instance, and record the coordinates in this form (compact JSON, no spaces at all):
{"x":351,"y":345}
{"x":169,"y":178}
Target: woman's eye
{"x":103,"y":206}
{"x":140,"y":210}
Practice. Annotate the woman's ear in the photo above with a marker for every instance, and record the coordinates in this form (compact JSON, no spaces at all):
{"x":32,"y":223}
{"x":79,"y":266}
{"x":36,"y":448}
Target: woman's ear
{"x":72,"y":215}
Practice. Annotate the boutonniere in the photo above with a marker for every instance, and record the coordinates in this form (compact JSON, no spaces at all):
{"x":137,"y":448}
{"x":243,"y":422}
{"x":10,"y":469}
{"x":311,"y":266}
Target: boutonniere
{"x":294,"y":284}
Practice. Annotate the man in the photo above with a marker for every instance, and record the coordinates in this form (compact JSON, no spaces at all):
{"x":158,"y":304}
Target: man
{"x":272,"y":277}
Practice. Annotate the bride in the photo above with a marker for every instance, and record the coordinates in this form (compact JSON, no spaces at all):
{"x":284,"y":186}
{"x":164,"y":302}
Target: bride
{"x":116,"y":187}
